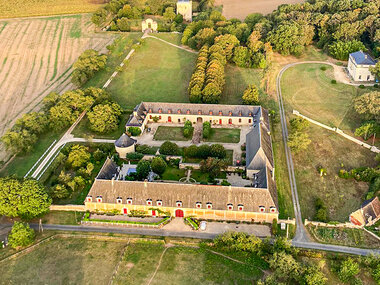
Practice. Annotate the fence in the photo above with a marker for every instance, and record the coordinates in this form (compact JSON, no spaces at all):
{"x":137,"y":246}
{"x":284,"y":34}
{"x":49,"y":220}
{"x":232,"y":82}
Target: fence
{"x":340,"y":132}
{"x":335,"y":225}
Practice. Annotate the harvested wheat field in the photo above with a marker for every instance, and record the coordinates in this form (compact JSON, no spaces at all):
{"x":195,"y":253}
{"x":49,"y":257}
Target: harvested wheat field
{"x":36,"y":57}
{"x":240,"y":9}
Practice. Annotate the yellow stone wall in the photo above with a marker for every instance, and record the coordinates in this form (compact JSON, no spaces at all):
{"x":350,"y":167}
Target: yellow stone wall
{"x":198,"y":213}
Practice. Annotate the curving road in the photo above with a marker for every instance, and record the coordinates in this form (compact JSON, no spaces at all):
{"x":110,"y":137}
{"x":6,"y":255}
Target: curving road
{"x":302,"y":238}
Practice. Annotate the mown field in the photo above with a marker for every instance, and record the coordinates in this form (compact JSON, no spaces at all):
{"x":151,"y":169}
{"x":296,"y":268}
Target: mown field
{"x":308,"y":89}
{"x":31,"y":8}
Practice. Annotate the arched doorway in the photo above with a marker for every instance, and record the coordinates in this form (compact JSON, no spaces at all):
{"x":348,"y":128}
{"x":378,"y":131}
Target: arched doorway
{"x":230,"y":121}
{"x":179,"y":213}
{"x":199,"y":120}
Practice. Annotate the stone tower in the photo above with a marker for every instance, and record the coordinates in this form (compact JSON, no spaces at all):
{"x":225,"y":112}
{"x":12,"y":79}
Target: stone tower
{"x":185,"y":8}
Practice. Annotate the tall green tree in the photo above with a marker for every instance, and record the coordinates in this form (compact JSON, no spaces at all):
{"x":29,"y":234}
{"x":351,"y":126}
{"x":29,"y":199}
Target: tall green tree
{"x":78,"y":156}
{"x":251,"y":95}
{"x":368,"y":105}
{"x":21,"y":235}
{"x":104,"y":117}
{"x":158,"y":165}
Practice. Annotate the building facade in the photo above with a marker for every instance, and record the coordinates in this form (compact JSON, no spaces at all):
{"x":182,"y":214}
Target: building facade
{"x":185,"y":8}
{"x":358,"y":66}
{"x":368,"y":214}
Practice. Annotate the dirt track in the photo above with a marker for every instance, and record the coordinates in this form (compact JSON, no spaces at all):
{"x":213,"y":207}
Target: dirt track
{"x":36,"y":57}
{"x":241,"y":8}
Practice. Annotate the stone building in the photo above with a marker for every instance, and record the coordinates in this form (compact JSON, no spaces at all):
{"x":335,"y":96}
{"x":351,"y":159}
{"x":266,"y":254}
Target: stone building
{"x":358,"y":66}
{"x":125,"y":145}
{"x":185,"y":8}
{"x":368,"y":214}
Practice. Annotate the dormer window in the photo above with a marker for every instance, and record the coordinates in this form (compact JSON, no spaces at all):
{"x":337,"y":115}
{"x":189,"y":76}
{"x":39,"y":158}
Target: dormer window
{"x":261,"y":209}
{"x":149,"y":202}
{"x":129,"y":201}
{"x":119,"y":200}
{"x":199,"y":112}
{"x":159,"y":203}
{"x":229,"y":113}
{"x":89,"y":199}
{"x":240,"y":113}
{"x":99,"y":199}
{"x":198,"y":205}
{"x":179,"y":111}
{"x":170,"y":111}
{"x":150,"y":110}
{"x":160,"y":111}
{"x":188,"y":112}
{"x":178,"y":204}
{"x":210,"y":113}
{"x":273,"y":209}
{"x":220,"y":113}
{"x":209,"y":205}
{"x":230,"y":207}
{"x":240,"y":207}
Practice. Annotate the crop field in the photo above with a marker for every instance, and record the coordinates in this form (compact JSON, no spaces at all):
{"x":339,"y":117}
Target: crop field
{"x":30,"y":8}
{"x":36,"y":57}
{"x":240,"y":9}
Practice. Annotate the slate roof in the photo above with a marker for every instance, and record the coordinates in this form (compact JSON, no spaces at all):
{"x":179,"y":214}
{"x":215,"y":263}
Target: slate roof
{"x":371,"y":210}
{"x":362,"y":58}
{"x":188,"y":194}
{"x":125,"y":141}
{"x":109,"y":170}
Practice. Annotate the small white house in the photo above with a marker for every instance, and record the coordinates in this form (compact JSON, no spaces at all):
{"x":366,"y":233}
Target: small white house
{"x":185,"y":8}
{"x":358,"y":66}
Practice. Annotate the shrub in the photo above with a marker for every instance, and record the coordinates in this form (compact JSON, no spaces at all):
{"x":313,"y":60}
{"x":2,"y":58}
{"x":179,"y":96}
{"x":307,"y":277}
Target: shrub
{"x":361,"y":86}
{"x":188,"y":129}
{"x":323,"y":68}
{"x":191,"y":151}
{"x":169,"y":148}
{"x":21,"y":235}
{"x":158,"y":165}
{"x":299,"y":124}
{"x":321,"y":211}
{"x":274,"y":227}
{"x":98,"y":155}
{"x":348,"y":269}
{"x":134,"y":156}
{"x":203,"y":151}
{"x":225,"y":183}
{"x":218,"y":150}
{"x":134,"y":131}
{"x":145,"y":149}
{"x":333,"y":81}
{"x":143,"y":169}
{"x":206,"y":130}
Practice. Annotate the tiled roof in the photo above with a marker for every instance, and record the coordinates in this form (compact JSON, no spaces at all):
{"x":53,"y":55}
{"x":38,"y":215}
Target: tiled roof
{"x":362,"y":58}
{"x":125,"y":141}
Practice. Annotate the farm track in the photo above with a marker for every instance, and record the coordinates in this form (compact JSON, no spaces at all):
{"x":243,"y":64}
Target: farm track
{"x":35,"y":59}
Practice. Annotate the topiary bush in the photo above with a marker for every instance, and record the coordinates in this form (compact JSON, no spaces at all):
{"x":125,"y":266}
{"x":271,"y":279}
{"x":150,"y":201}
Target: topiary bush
{"x":169,"y":148}
{"x":206,"y":130}
{"x":333,"y":81}
{"x":134,"y":131}
{"x":158,"y":165}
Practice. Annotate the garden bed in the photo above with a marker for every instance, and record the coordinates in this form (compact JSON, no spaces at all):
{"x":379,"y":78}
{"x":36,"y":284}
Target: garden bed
{"x":165,"y":133}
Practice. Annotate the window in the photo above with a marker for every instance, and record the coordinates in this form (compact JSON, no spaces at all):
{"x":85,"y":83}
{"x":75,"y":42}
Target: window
{"x":150,"y":116}
{"x":159,"y":203}
{"x":209,"y":205}
{"x":360,"y":77}
{"x":99,"y":199}
{"x":179,"y":204}
{"x":239,"y":120}
{"x":249,"y":121}
{"x":230,"y":207}
{"x":240,"y":207}
{"x":198,"y":205}
{"x":149,"y":202}
{"x":273,"y":209}
{"x":119,"y":200}
{"x":89,"y":199}
{"x":179,"y":120}
{"x":262,"y":209}
{"x":368,"y":77}
{"x":159,"y":117}
{"x":129,"y":201}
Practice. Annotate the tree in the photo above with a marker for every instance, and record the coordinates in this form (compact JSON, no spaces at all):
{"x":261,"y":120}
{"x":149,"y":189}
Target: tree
{"x":299,"y":124}
{"x":23,"y":198}
{"x":213,"y":166}
{"x":87,"y":64}
{"x":348,"y":269}
{"x":242,"y":57}
{"x":34,"y":122}
{"x":252,"y":19}
{"x":169,"y":14}
{"x":19,"y":141}
{"x":205,"y":36}
{"x":158,"y":165}
{"x":104,"y":117}
{"x":178,"y":19}
{"x":134,"y":131}
{"x":60,"y":191}
{"x":218,"y":150}
{"x":298,"y":141}
{"x":285,"y":266}
{"x":368,"y":105}
{"x":169,"y":148}
{"x":228,"y":43}
{"x":367,"y":130}
{"x":188,"y":129}
{"x":341,"y":49}
{"x":314,"y":276}
{"x":206,"y":130}
{"x":376,"y":69}
{"x":78,"y":156}
{"x":143,"y":169}
{"x":123,"y":25}
{"x":251,"y":95}
{"x":21,"y":235}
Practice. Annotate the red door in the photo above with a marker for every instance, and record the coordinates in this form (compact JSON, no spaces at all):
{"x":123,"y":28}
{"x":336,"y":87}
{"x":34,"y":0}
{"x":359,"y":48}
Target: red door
{"x":169,"y":119}
{"x":153,"y":213}
{"x":230,"y":121}
{"x":125,"y":211}
{"x":179,"y":213}
{"x":220,"y":121}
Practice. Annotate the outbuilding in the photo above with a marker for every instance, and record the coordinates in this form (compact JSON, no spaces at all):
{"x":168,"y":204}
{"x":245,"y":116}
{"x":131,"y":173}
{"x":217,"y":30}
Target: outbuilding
{"x":358,"y":66}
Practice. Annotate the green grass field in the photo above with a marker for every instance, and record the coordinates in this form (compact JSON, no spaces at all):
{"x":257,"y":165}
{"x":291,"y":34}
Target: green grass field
{"x":224,"y":135}
{"x":165,"y":133}
{"x":30,"y":8}
{"x":156,"y":72}
{"x":174,"y":174}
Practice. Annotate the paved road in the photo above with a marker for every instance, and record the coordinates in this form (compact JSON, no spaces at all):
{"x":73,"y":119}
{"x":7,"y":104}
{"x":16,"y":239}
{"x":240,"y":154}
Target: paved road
{"x":194,"y":234}
{"x":302,"y":238}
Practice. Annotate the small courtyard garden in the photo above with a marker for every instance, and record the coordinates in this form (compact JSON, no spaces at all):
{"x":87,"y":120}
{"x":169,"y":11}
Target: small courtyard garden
{"x":164,"y":133}
{"x":224,"y":135}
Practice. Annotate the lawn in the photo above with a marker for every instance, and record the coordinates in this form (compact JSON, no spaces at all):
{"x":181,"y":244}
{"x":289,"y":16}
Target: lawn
{"x":181,"y":265}
{"x":224,"y":135}
{"x":82,"y":130}
{"x":172,"y":173}
{"x":22,"y":8}
{"x":65,"y":261}
{"x":61,"y":218}
{"x":164,"y":133}
{"x":157,"y":72}
{"x":119,"y":50}
{"x":308,"y":89}
{"x":22,"y":163}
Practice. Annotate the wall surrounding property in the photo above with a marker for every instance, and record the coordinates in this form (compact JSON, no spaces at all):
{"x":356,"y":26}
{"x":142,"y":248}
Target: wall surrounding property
{"x":359,"y":72}
{"x":198,"y":213}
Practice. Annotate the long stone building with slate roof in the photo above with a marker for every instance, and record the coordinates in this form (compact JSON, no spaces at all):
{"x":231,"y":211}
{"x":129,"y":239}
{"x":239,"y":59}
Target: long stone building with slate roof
{"x":258,"y":203}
